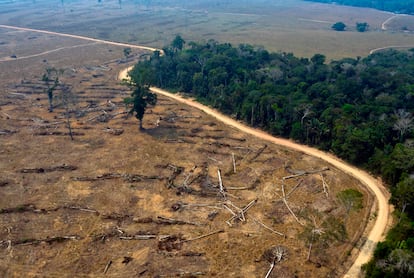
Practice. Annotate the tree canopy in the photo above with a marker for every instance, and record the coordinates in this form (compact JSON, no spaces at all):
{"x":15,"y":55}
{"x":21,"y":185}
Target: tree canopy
{"x":140,"y":99}
{"x":339,"y":26}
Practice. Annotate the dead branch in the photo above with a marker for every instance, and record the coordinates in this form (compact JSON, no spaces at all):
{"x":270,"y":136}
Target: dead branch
{"x":164,"y":221}
{"x":177,"y":170}
{"x":286,"y":204}
{"x":108,"y":265}
{"x":239,"y":188}
{"x":126,"y":177}
{"x":299,"y":173}
{"x":290,"y":210}
{"x":258,"y":153}
{"x":171,"y":221}
{"x":294,"y":188}
{"x":63,"y":167}
{"x":324,"y":185}
{"x":82,"y":209}
{"x":215,"y":160}
{"x":240,"y":215}
{"x":180,"y":205}
{"x":7,"y":132}
{"x":267,"y":227}
{"x":138,"y":237}
{"x":221,"y":187}
{"x":204,"y":236}
{"x":57,"y":133}
{"x":234,"y":162}
{"x":183,"y":274}
{"x":26,"y":208}
{"x":49,"y":240}
{"x":106,"y":176}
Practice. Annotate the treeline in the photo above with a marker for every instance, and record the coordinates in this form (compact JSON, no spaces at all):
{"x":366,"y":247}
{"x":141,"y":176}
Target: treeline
{"x":395,"y":6}
{"x":361,"y":109}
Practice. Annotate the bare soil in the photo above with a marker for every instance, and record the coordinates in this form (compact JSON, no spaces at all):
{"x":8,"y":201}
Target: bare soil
{"x":123,"y":202}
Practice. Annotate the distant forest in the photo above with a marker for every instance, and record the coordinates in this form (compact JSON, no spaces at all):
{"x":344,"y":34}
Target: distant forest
{"x":361,"y":109}
{"x":395,"y":6}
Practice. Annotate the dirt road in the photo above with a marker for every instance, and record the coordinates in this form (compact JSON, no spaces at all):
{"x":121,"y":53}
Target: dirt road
{"x":79,"y":37}
{"x":383,"y":213}
{"x":381,"y":223}
{"x":377,"y":188}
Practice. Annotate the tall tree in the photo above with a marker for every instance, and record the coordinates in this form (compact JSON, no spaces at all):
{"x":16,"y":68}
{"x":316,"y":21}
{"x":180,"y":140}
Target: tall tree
{"x":140,"y":99}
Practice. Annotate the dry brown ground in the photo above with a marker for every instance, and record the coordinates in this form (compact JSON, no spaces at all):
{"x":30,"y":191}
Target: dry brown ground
{"x":68,"y":208}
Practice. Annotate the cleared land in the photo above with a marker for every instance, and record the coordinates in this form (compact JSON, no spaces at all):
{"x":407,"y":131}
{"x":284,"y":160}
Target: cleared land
{"x":288,"y":26}
{"x":133,"y":203}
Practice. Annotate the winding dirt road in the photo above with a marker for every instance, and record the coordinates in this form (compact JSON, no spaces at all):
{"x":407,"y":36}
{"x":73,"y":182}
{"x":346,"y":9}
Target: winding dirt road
{"x":380,"y":226}
{"x":383,"y":213}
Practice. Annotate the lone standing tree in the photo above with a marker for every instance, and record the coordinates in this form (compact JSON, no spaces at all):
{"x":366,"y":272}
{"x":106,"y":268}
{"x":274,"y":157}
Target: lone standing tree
{"x":339,"y":26}
{"x":51,"y":79}
{"x":140,"y":99}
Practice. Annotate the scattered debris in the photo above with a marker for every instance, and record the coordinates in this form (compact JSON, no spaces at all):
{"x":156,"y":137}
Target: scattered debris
{"x":114,"y":131}
{"x":239,"y":215}
{"x":7,"y":131}
{"x":170,"y":243}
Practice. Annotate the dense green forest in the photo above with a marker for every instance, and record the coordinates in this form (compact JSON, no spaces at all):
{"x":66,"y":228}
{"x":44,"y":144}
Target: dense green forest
{"x":395,"y":6}
{"x":360,"y":109}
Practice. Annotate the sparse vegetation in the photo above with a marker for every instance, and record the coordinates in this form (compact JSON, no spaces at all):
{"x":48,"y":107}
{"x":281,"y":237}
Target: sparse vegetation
{"x":362,"y":26}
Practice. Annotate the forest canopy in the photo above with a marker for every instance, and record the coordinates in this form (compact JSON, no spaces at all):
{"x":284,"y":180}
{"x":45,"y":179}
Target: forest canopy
{"x":361,"y":109}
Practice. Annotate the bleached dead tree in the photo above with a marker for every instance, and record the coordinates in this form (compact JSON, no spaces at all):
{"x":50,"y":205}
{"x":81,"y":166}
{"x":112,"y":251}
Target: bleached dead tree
{"x":404,"y":122}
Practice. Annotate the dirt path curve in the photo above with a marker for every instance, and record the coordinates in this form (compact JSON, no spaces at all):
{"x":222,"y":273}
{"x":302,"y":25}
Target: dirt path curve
{"x":380,"y":227}
{"x":79,"y":37}
{"x":383,"y":213}
{"x":46,"y":52}
{"x":384,"y":24}
{"x":388,"y":47}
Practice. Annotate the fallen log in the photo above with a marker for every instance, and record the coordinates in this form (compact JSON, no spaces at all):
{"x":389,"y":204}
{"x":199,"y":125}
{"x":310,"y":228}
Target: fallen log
{"x":258,"y":153}
{"x":138,"y":237}
{"x":49,"y":240}
{"x":63,"y":167}
{"x":7,"y":131}
{"x":299,"y":173}
{"x":240,"y":214}
{"x":204,"y":236}
{"x":26,"y":208}
{"x":164,"y":221}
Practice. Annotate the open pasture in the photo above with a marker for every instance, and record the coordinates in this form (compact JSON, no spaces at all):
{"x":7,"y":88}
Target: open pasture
{"x":299,"y":27}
